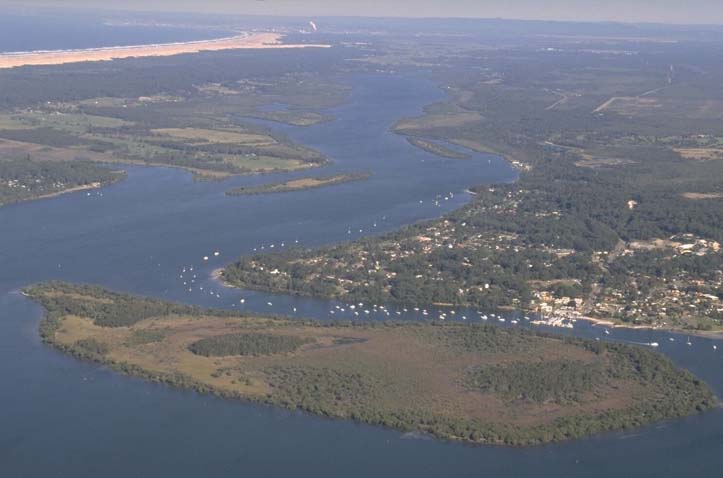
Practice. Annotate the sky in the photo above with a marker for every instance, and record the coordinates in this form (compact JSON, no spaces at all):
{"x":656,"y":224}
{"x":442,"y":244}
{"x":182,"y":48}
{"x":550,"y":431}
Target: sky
{"x":662,"y":11}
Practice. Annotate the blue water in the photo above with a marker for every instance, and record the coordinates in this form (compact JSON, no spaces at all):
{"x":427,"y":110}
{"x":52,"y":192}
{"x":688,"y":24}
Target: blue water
{"x":55,"y":31}
{"x":62,"y":417}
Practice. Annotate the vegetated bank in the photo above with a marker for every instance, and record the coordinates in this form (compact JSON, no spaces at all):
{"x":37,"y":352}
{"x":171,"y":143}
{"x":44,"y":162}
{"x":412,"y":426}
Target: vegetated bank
{"x":435,"y":148}
{"x":299,"y":184}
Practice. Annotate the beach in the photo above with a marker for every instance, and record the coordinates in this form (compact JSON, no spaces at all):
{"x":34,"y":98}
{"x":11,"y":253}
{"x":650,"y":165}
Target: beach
{"x":246,"y":41}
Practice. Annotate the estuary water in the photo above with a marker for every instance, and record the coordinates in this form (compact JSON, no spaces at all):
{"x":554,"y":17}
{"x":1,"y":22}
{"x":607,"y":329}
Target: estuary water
{"x":63,"y":417}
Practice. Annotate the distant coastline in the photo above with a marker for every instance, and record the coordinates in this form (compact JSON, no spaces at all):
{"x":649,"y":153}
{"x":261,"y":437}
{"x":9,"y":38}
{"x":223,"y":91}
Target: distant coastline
{"x":263,"y":40}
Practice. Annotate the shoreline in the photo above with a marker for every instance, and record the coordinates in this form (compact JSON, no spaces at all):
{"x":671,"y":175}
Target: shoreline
{"x":708,"y":334}
{"x":263,"y":40}
{"x":218,"y":276}
{"x":74,"y":189}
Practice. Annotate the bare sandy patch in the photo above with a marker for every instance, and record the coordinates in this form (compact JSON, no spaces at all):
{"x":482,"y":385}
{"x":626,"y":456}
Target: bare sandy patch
{"x":700,"y":196}
{"x":701,"y":154}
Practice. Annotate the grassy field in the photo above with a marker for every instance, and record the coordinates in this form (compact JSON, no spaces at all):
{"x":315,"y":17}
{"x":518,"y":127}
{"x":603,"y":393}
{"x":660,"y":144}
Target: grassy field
{"x":472,"y":383}
{"x":203,"y":131}
{"x":202,"y":136}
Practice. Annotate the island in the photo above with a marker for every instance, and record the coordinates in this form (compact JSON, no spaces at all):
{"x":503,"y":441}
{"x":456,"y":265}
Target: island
{"x":435,"y":148}
{"x":473,"y":383}
{"x":299,"y":184}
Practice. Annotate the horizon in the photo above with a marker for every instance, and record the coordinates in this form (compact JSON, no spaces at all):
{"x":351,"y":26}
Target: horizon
{"x":663,"y":12}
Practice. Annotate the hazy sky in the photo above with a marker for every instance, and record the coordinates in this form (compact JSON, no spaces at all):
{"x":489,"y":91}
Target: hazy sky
{"x":667,"y":11}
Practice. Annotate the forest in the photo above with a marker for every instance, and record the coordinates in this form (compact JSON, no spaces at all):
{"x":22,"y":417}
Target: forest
{"x":26,"y":178}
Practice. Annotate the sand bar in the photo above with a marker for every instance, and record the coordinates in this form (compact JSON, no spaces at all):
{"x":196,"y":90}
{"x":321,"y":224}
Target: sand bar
{"x":59,"y":57}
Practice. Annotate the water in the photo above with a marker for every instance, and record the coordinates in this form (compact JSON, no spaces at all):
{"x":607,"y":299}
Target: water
{"x":20,"y":31}
{"x":61,"y":415}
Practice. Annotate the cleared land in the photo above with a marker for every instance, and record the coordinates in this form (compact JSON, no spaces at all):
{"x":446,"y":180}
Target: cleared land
{"x":299,"y":184}
{"x":701,"y":154}
{"x":193,"y":137}
{"x":246,"y":41}
{"x":479,"y":384}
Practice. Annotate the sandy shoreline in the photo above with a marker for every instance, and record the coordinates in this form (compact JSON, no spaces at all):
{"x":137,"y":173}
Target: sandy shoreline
{"x":75,"y":189}
{"x":59,"y":57}
{"x":617,"y":325}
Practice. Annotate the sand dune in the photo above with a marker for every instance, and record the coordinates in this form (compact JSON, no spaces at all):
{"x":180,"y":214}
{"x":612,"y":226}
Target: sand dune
{"x":59,"y":57}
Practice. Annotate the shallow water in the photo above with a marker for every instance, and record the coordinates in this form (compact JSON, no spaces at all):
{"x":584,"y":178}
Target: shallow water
{"x":59,"y":414}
